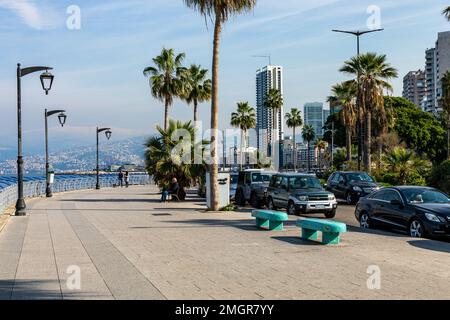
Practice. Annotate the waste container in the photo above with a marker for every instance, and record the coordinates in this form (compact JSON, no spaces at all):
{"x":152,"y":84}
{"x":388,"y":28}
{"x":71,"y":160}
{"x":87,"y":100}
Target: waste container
{"x":223,"y":188}
{"x":51,"y":177}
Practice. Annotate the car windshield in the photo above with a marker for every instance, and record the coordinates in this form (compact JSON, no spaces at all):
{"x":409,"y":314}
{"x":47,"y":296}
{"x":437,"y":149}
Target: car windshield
{"x":234,"y":179}
{"x":261,"y":177}
{"x":298,"y":183}
{"x":359,"y":177}
{"x":418,"y":196}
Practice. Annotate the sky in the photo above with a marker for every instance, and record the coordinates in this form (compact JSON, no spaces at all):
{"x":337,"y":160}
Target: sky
{"x":98,"y":67}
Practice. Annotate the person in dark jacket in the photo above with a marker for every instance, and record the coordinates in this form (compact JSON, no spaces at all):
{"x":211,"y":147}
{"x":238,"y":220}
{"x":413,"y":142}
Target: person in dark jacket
{"x":120,"y":178}
{"x":174,"y":188}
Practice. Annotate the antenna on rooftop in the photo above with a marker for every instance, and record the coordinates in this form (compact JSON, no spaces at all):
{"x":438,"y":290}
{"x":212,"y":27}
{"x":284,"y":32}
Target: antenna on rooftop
{"x":269,"y":57}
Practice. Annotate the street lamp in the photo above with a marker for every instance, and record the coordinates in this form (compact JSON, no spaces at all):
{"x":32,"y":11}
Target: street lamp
{"x":108,"y":134}
{"x":46,"y":81}
{"x":62,"y":117}
{"x":358,"y":34}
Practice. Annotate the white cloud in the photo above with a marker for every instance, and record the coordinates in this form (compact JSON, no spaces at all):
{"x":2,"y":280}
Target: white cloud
{"x":26,"y":10}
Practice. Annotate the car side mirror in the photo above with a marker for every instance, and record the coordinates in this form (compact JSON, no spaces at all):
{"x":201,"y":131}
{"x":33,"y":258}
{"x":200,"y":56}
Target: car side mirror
{"x":396,"y":203}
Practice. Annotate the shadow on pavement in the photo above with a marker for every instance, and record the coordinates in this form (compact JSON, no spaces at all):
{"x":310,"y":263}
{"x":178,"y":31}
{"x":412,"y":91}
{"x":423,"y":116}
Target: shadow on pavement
{"x":297,"y":241}
{"x":379,"y":232}
{"x":431,"y":245}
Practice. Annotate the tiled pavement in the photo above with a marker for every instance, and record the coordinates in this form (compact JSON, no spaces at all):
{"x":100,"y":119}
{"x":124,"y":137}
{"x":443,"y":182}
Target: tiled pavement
{"x":129,"y":246}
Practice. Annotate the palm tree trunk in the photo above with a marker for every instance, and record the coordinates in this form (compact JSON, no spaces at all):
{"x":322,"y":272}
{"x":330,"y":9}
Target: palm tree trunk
{"x":448,"y":131}
{"x":308,"y":155}
{"x":379,"y":153}
{"x":214,"y":168}
{"x":242,"y":149}
{"x":348,"y":144}
{"x":166,"y":114}
{"x":195,"y":110}
{"x":368,"y":142}
{"x":295,"y":153}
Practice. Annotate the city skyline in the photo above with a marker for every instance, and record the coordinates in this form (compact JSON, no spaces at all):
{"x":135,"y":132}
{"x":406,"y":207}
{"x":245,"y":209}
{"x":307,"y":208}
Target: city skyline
{"x":98,"y":68}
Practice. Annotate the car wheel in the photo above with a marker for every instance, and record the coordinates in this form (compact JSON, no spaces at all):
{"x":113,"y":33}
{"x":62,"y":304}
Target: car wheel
{"x":271,"y":205}
{"x":364,"y":221}
{"x":254,"y":201}
{"x":291,"y":210}
{"x":416,"y":229}
{"x":330,"y":215}
{"x":349,"y":199}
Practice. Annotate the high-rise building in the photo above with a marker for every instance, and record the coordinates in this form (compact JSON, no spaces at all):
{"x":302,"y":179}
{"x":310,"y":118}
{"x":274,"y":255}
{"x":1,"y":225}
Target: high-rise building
{"x":269,"y":77}
{"x":437,"y":64}
{"x":414,"y":87}
{"x":314,"y":116}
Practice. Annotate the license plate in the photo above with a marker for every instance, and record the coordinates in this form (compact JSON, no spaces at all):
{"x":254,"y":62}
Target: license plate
{"x":320,"y":206}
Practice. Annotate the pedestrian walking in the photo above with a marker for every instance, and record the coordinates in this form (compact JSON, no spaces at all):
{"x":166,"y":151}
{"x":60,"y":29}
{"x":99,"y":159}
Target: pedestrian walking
{"x":120,"y":178}
{"x":127,"y":179}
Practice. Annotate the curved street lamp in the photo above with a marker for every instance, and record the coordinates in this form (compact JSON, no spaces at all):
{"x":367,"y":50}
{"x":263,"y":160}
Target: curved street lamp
{"x":62,"y":117}
{"x":47,"y":82}
{"x":108,"y":134}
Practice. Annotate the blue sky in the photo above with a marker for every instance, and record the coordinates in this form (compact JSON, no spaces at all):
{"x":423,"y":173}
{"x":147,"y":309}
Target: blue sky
{"x":98,"y":68}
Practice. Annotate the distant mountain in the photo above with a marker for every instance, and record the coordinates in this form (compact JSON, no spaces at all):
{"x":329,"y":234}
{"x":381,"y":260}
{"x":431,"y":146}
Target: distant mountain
{"x":129,"y":151}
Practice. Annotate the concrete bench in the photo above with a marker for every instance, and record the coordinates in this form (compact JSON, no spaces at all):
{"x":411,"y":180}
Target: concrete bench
{"x":270,"y":220}
{"x":331,"y":230}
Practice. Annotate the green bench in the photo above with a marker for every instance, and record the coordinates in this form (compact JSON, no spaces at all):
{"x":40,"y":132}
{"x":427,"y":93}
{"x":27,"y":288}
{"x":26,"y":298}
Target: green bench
{"x":270,"y":220}
{"x":331,"y":230}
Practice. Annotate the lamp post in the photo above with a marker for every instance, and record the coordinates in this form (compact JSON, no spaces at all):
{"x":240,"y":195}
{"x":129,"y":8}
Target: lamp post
{"x":47,"y":82}
{"x":108,"y":134}
{"x":62,"y":117}
{"x":358,"y":34}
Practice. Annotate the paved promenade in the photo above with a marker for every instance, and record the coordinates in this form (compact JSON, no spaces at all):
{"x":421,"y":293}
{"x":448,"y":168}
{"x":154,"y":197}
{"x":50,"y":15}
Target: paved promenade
{"x":127,"y":245}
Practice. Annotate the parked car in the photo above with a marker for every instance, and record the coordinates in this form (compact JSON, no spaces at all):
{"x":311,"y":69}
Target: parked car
{"x":351,"y":186}
{"x":252,"y":187}
{"x":300,"y":194}
{"x":420,"y":211}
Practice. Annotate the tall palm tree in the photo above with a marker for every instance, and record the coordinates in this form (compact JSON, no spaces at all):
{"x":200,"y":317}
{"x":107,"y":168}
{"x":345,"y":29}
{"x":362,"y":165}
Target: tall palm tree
{"x":308,"y":135}
{"x":446,"y":13}
{"x":244,"y":118}
{"x":197,"y":86}
{"x":344,"y":94}
{"x":321,"y":146}
{"x":218,"y":11}
{"x":294,"y":120}
{"x":374,"y":72}
{"x":274,"y":102}
{"x":446,"y":105}
{"x":164,"y":79}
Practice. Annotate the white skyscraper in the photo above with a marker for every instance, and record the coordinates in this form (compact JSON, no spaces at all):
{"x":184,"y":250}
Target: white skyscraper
{"x":269,"y":77}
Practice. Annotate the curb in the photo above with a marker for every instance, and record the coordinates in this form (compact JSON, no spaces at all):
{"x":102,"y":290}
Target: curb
{"x":4,"y":218}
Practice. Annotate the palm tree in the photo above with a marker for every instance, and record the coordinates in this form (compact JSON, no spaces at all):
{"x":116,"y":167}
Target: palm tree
{"x":294,"y":120}
{"x":446,"y":105}
{"x":373,"y":72}
{"x":308,"y":135}
{"x":218,"y":12}
{"x":344,"y":94}
{"x":404,"y":163}
{"x":163,"y":165}
{"x":164,"y":78}
{"x":244,"y":118}
{"x":274,"y":102}
{"x":197,"y":87}
{"x":446,"y":13}
{"x":321,"y":146}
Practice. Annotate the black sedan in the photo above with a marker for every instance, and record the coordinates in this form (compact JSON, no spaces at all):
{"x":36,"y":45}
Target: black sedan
{"x":420,"y":211}
{"x":351,"y":186}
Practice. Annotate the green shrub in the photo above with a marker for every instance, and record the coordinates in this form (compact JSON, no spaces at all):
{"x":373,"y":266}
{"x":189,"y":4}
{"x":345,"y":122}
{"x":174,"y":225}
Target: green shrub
{"x":440,"y":177}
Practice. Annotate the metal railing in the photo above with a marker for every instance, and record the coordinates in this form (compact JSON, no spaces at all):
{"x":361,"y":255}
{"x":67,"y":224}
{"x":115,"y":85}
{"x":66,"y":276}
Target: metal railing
{"x":33,"y":189}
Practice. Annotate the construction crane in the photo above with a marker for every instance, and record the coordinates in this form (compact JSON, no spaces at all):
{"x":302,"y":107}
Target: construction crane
{"x":269,"y":57}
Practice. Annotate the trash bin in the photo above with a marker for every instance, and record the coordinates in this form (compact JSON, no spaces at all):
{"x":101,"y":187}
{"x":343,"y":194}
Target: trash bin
{"x":51,"y":177}
{"x":223,"y":189}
